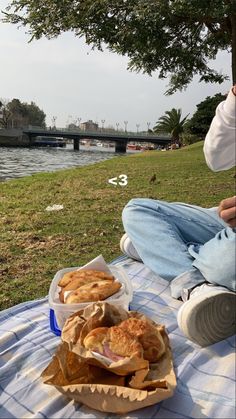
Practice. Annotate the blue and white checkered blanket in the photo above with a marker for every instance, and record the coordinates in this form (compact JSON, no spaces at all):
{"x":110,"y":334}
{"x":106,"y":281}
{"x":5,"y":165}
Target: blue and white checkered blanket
{"x":205,"y":377}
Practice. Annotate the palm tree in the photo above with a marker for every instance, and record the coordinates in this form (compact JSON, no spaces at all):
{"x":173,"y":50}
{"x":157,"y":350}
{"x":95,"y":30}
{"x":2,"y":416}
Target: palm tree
{"x":171,"y":123}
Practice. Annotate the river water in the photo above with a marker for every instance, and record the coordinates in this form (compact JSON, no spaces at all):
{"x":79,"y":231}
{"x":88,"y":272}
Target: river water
{"x":18,"y":162}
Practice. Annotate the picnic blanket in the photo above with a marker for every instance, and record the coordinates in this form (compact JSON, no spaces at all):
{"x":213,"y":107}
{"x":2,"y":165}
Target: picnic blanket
{"x":205,"y":377}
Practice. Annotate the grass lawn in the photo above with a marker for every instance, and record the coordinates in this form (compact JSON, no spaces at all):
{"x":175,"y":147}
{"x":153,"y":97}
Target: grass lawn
{"x":36,"y":243}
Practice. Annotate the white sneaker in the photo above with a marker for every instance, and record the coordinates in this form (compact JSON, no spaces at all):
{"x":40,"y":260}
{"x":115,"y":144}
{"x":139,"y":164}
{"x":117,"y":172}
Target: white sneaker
{"x":128,"y":248}
{"x":209,"y":315}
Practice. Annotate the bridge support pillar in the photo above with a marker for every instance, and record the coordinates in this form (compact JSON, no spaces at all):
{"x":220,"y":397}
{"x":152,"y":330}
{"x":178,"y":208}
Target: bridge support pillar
{"x":121,"y":146}
{"x":76,"y":143}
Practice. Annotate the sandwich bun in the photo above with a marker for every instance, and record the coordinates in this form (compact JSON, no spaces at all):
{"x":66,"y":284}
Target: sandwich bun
{"x":95,"y":339}
{"x":113,"y":342}
{"x":148,"y":335}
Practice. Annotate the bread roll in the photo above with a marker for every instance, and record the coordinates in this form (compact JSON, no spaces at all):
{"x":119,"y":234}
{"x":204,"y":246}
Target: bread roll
{"x":122,"y":343}
{"x":95,"y":339}
{"x":113,"y":342}
{"x":148,"y":336}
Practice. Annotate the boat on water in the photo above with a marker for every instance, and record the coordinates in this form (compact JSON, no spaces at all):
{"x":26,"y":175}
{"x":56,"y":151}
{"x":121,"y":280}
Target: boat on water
{"x":140,"y":147}
{"x":147,"y":147}
{"x":42,"y":141}
{"x":133,"y":147}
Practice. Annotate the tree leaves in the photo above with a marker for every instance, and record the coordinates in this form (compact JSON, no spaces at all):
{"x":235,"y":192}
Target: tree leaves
{"x":177,"y":37}
{"x":171,"y":123}
{"x":18,"y":114}
{"x":201,"y":119}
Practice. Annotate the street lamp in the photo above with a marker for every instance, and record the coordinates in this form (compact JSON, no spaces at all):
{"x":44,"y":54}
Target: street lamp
{"x":137,"y":125}
{"x":148,"y":127}
{"x":117,"y":126}
{"x":103,"y":122}
{"x":78,"y":120}
{"x":126,"y":123}
{"x":54,"y":118}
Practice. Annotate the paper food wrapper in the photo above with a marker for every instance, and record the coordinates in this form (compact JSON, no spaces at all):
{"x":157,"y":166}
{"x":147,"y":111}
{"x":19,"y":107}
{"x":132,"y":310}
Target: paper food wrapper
{"x":117,"y":387}
{"x":98,"y":264}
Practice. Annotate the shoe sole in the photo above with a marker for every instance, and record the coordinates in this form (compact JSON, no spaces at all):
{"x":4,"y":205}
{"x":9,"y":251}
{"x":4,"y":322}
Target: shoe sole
{"x":208,"y":319}
{"x":122,"y":248}
{"x":122,"y":241}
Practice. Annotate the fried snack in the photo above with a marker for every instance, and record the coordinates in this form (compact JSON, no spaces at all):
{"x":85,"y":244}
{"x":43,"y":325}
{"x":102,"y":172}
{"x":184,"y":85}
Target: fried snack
{"x":69,"y":276}
{"x":148,"y":336}
{"x":113,"y":342}
{"x":95,"y":291}
{"x":80,"y":281}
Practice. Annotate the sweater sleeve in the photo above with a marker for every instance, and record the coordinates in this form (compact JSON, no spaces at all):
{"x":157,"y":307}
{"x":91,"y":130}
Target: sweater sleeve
{"x":219,"y":144}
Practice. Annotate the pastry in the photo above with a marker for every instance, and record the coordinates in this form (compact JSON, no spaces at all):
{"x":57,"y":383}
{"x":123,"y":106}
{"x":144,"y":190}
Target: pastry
{"x":69,"y":276}
{"x":94,"y":291}
{"x":122,"y":343}
{"x":113,"y":342}
{"x":148,"y":335}
{"x":79,"y":281}
{"x":95,"y":339}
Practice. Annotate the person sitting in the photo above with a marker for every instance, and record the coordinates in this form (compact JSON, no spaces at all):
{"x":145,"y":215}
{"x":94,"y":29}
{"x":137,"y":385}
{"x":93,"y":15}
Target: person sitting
{"x":193,"y":247}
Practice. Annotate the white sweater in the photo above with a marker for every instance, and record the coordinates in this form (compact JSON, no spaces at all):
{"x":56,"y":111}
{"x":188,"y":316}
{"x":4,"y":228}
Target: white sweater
{"x":219,"y":145}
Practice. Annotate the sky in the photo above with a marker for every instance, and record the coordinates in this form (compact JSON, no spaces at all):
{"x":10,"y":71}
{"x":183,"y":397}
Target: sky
{"x":70,"y":82}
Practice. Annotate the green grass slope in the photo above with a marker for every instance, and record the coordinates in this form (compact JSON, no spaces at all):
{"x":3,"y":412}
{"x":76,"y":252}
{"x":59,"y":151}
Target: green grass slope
{"x":36,"y":243}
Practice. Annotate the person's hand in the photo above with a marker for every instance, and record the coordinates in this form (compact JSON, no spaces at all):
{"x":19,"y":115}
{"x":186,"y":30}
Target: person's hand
{"x":227,"y":211}
{"x":234,"y":90}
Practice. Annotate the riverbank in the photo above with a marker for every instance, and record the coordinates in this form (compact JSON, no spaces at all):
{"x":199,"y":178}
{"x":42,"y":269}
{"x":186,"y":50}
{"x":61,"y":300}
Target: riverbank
{"x":36,"y":243}
{"x":20,"y":162}
{"x":13,"y":138}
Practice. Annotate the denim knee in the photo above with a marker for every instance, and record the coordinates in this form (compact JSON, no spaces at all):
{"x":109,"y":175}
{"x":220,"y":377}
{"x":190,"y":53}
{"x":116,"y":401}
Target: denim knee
{"x":128,"y":211}
{"x":219,"y":275}
{"x":143,"y":204}
{"x":216,"y":259}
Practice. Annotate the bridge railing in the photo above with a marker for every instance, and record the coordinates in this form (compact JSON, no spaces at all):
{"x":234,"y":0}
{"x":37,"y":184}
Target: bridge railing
{"x":105,"y":132}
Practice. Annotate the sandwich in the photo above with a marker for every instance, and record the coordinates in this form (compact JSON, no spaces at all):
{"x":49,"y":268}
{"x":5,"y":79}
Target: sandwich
{"x":148,"y":335}
{"x":132,"y":337}
{"x":113,"y":343}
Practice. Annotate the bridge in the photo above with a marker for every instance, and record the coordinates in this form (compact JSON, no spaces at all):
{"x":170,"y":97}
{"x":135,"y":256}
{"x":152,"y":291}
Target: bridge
{"x":120,"y":138}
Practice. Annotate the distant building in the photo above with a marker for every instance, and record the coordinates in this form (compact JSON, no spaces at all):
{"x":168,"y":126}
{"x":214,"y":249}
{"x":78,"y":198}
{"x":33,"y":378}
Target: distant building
{"x":89,"y":126}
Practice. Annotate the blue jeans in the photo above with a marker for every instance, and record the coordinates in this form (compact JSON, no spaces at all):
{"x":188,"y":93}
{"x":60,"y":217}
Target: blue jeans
{"x":184,"y":244}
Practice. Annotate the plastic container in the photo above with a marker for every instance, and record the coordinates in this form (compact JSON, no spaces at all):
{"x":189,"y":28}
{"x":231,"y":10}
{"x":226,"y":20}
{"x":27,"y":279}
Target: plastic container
{"x":59,"y":312}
